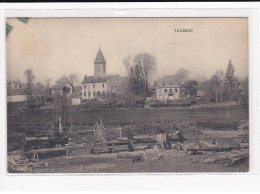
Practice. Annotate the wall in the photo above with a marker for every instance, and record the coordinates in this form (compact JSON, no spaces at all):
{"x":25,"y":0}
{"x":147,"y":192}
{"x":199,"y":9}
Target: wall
{"x":86,"y":88}
{"x":75,"y":101}
{"x":161,"y":95}
{"x":17,"y":98}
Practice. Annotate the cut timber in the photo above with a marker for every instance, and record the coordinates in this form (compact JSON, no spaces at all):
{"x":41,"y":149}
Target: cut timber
{"x":230,"y":157}
{"x":131,"y":155}
{"x":215,"y":159}
{"x":146,"y":138}
{"x":233,"y":161}
{"x":226,"y":134}
{"x":216,"y":148}
{"x":35,"y":153}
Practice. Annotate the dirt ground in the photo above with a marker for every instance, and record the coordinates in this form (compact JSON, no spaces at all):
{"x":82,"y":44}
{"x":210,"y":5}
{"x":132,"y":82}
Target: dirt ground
{"x":172,"y":161}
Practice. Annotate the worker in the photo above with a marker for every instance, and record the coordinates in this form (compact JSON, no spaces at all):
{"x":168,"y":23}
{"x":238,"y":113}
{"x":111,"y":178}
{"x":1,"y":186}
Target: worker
{"x":161,"y":140}
{"x":178,"y":132}
{"x":167,"y":144}
{"x":131,"y":146}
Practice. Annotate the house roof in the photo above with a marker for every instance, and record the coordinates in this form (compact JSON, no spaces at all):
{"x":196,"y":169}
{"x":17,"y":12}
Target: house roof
{"x":38,"y":90}
{"x":170,"y":81}
{"x":56,"y":87}
{"x":16,"y":91}
{"x":77,"y":89}
{"x":99,"y":58}
{"x":119,"y":84}
{"x":92,"y":79}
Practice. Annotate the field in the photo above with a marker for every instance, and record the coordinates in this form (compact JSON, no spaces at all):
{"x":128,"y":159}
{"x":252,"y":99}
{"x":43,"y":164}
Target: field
{"x":144,"y":122}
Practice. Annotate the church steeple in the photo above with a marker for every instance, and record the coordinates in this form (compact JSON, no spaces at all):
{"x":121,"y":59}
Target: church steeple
{"x":100,"y":64}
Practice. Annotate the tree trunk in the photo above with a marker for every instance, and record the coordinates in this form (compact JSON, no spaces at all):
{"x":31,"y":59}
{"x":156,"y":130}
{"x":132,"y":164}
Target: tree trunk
{"x":216,"y":100}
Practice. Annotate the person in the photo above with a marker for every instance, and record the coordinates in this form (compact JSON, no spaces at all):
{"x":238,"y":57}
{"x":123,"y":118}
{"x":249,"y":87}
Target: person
{"x":131,"y":146}
{"x":167,"y":144}
{"x":161,"y":140}
{"x":179,"y":133}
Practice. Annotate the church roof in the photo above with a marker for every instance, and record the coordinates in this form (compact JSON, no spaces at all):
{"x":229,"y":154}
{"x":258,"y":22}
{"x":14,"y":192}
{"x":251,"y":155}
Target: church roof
{"x":99,"y":58}
{"x":92,"y":79}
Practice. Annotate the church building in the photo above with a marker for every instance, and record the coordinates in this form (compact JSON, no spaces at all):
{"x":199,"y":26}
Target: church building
{"x":97,"y":87}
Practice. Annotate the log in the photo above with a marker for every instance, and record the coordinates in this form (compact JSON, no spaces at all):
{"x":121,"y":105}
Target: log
{"x":225,"y":157}
{"x":131,"y":155}
{"x":216,"y":148}
{"x":215,"y":159}
{"x":233,"y":161}
{"x":146,"y":138}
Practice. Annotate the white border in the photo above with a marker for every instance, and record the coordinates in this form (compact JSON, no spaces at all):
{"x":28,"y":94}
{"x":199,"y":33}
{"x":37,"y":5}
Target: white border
{"x":197,"y":180}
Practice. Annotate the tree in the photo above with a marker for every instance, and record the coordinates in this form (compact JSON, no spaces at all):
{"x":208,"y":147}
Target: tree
{"x":47,"y":83}
{"x":127,"y":63}
{"x":146,"y":64}
{"x":137,"y":82}
{"x":183,"y":73}
{"x":190,"y":88}
{"x":244,"y":91}
{"x":231,"y":82}
{"x":30,"y":78}
{"x":17,"y":83}
{"x":71,"y":79}
{"x":216,"y":85}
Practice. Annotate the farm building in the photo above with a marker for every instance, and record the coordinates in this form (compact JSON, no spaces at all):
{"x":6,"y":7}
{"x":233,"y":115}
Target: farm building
{"x":16,"y":95}
{"x":168,"y":88}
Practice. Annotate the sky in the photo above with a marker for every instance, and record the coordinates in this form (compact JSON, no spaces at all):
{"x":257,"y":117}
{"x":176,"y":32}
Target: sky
{"x":52,"y":47}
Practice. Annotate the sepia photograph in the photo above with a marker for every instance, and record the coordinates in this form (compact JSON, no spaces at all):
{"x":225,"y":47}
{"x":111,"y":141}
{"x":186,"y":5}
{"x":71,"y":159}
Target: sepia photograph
{"x":127,"y":95}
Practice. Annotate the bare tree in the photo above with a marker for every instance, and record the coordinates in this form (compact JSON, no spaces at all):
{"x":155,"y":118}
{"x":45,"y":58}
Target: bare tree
{"x":47,"y":83}
{"x":127,"y":63}
{"x":183,"y":73}
{"x":71,"y":79}
{"x":30,"y":78}
{"x":147,"y":66}
{"x":17,"y":83}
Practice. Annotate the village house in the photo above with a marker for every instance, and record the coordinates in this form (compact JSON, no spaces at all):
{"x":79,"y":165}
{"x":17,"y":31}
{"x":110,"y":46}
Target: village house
{"x":20,"y":94}
{"x":168,"y":88}
{"x":97,"y":87}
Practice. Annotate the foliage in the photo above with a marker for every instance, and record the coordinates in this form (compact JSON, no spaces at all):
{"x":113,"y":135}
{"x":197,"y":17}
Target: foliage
{"x":231,"y":82}
{"x":183,"y":73}
{"x":190,"y":88}
{"x":244,"y":91}
{"x":71,"y":79}
{"x":144,"y":66}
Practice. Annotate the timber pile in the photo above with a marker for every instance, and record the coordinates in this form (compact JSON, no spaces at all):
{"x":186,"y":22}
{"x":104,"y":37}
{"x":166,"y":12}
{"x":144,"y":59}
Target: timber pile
{"x":223,"y":153}
{"x":18,"y":164}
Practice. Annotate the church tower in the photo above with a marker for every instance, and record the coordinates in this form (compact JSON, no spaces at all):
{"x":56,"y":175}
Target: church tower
{"x":99,"y":65}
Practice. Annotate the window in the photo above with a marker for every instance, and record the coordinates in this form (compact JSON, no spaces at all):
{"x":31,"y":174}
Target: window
{"x":85,"y":93}
{"x":93,"y":85}
{"x":94,"y":93}
{"x":171,"y":91}
{"x":176,"y":90}
{"x":89,"y":93}
{"x":98,"y":93}
{"x":103,"y":85}
{"x":85,"y":86}
{"x":103,"y":93}
{"x":165,"y":90}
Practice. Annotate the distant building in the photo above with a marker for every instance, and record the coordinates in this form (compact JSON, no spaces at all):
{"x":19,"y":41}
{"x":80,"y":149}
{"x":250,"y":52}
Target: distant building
{"x":16,"y":95}
{"x":38,"y":93}
{"x":56,"y":90}
{"x":168,"y":88}
{"x":97,"y":87}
